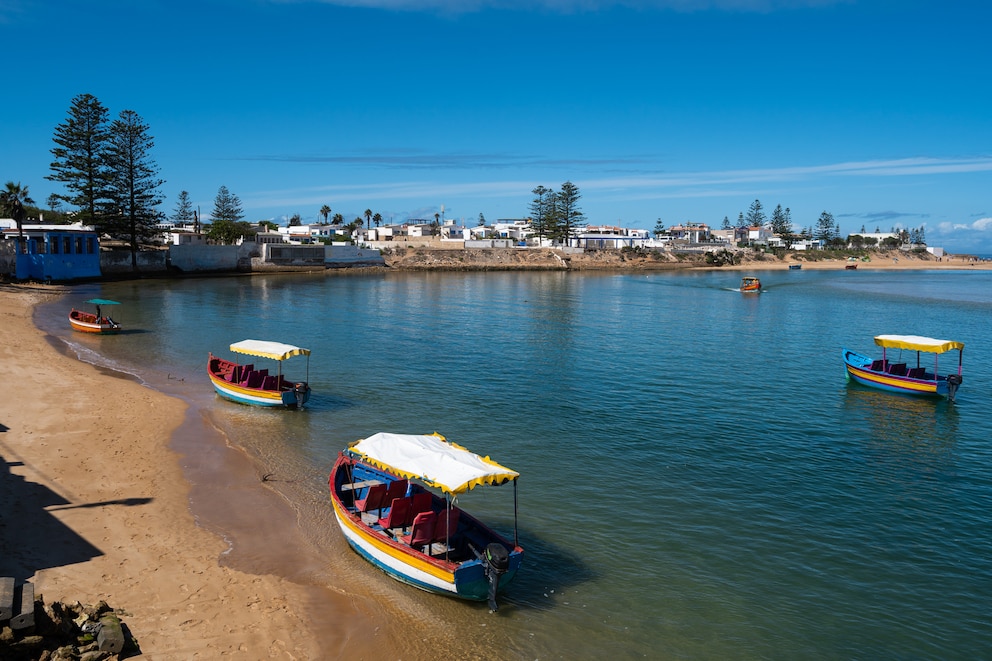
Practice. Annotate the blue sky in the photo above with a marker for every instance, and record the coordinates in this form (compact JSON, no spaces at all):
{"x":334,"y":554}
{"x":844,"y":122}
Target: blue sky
{"x":876,"y":111}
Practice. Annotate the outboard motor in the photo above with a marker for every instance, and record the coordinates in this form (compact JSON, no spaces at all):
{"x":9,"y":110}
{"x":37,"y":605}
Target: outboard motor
{"x":300,"y":390}
{"x":953,"y":382}
{"x":497,"y":561}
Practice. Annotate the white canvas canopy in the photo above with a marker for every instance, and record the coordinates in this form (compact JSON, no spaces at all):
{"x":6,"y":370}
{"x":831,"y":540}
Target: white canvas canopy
{"x":265,"y":349}
{"x":432,"y":460}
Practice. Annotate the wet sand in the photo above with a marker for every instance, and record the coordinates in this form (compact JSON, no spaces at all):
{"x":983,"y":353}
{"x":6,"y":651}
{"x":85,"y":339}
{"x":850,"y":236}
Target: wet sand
{"x":95,"y":505}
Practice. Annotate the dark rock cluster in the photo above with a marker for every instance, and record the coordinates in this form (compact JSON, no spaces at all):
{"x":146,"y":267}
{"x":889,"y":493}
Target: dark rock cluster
{"x":69,"y":632}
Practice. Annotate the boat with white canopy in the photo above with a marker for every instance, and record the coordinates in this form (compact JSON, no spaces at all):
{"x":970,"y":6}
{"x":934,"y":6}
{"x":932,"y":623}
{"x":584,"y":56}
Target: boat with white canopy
{"x":912,"y":376}
{"x":394,"y":499}
{"x":247,"y":385}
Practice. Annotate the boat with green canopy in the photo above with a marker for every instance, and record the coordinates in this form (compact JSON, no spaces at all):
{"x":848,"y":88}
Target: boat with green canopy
{"x":88,"y":322}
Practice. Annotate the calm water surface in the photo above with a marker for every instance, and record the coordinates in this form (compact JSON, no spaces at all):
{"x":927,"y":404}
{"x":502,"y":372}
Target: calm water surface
{"x":698,"y":478}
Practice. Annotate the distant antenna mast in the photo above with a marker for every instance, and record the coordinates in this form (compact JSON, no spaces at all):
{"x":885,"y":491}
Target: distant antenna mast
{"x":442,"y":214}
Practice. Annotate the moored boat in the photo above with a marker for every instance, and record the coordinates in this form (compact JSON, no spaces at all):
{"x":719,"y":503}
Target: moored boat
{"x":795,"y":267}
{"x":750,"y":284}
{"x":88,"y":322}
{"x":247,"y":385}
{"x":381,"y":494}
{"x":901,"y":377}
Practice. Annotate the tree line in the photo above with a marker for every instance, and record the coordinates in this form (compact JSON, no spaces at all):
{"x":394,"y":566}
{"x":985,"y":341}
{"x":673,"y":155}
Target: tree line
{"x":825,"y":229}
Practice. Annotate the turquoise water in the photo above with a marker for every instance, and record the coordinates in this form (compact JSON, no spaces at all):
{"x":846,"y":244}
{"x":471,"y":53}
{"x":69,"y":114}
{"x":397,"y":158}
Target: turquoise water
{"x":698,"y":478}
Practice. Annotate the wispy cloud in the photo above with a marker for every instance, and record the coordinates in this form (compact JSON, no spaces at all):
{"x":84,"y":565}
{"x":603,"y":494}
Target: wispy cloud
{"x":575,"y":6}
{"x":724,"y":183}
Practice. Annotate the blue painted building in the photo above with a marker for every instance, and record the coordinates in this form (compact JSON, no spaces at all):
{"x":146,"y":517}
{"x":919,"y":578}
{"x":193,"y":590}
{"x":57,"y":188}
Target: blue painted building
{"x":51,"y":252}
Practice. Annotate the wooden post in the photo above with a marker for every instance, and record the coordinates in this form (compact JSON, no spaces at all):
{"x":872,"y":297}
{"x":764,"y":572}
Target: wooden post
{"x":25,"y":618}
{"x":111,"y":635}
{"x":6,"y":598}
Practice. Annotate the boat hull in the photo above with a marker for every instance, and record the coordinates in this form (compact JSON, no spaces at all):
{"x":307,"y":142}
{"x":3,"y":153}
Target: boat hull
{"x":293,"y":395}
{"x":84,"y":322}
{"x":859,"y":369}
{"x":464,"y":580}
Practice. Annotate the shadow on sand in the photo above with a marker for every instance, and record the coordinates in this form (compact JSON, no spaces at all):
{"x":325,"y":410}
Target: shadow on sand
{"x":31,"y":537}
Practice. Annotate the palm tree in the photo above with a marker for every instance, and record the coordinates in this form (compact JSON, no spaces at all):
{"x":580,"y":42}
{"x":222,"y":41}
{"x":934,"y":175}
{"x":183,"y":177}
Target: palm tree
{"x":377,"y":219}
{"x":368,"y":217}
{"x":325,"y":211}
{"x":12,"y":201}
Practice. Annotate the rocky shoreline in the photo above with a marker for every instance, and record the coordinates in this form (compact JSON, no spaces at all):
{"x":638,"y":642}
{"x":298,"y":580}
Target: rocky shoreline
{"x":513,"y":259}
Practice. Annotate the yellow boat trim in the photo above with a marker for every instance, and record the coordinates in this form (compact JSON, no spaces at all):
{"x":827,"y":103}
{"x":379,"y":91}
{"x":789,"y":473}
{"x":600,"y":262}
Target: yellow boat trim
{"x":899,"y":383}
{"x":227,"y":385}
{"x":381,"y":544}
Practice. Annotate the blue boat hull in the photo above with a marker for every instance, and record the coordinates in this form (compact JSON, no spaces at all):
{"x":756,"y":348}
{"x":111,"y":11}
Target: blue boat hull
{"x":859,"y":369}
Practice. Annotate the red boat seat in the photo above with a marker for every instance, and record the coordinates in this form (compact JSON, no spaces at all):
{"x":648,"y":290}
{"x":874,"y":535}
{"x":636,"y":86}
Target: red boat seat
{"x":269,"y":383}
{"x":917,"y":373}
{"x":397,"y":514}
{"x":420,"y":502}
{"x":878,"y":365}
{"x":397,"y":489}
{"x":422,"y":532}
{"x":374,"y":499}
{"x":897,"y":369}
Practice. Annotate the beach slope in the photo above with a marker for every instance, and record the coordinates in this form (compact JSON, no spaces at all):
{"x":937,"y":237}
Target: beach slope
{"x":93,"y":506}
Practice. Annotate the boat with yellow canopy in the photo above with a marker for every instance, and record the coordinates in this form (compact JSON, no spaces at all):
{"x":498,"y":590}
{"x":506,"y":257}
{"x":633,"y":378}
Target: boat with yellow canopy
{"x":910,"y":377}
{"x":247,"y":385}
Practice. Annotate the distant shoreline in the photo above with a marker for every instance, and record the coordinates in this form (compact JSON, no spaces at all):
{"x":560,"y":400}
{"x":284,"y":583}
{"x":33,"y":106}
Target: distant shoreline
{"x":516,"y":259}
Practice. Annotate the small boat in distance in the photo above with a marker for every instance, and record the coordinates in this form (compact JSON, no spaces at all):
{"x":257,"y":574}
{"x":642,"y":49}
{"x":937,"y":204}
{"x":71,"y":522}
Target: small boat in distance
{"x":87,"y":322}
{"x":750,"y":284}
{"x":795,"y":267}
{"x":898,"y":376}
{"x":851,"y":267}
{"x":245,"y":384}
{"x":379,"y":491}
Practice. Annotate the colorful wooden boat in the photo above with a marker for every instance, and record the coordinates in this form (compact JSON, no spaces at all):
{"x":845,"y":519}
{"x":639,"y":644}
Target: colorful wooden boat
{"x":247,"y":385}
{"x":87,"y":322}
{"x":750,"y":284}
{"x":901,"y":377}
{"x":851,"y":266}
{"x":388,"y":515}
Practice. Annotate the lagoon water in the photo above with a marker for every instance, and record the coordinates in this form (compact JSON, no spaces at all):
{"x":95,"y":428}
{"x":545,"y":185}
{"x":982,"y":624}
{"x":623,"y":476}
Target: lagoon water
{"x":698,"y":479}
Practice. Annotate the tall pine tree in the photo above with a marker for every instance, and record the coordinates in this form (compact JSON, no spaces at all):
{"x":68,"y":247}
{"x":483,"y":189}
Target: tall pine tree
{"x":225,"y":225}
{"x":80,"y":163}
{"x":227,"y":206}
{"x":824,"y":227}
{"x":183,"y":213}
{"x":568,"y":215}
{"x":133,"y":182}
{"x":540,"y":211}
{"x":755,"y":216}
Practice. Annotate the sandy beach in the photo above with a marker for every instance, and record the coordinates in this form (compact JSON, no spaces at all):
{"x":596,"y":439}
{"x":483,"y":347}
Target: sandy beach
{"x":94,"y":506}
